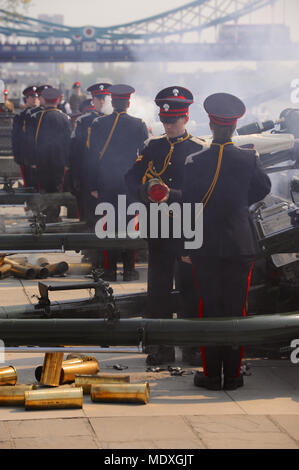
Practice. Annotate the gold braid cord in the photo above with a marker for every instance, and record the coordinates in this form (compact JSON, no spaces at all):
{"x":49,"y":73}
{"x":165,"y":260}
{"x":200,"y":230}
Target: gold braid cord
{"x":40,"y":121}
{"x":151,"y":173}
{"x":211,"y":189}
{"x":110,"y":135}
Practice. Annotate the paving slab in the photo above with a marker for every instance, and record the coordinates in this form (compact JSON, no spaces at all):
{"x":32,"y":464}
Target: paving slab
{"x":248,"y":441}
{"x":289,"y":424}
{"x":232,"y":424}
{"x":142,"y":428}
{"x":49,"y":427}
{"x":81,"y":442}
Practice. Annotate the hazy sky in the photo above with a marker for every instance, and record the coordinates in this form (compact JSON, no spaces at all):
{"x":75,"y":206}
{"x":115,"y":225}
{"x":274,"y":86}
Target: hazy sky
{"x":109,"y":12}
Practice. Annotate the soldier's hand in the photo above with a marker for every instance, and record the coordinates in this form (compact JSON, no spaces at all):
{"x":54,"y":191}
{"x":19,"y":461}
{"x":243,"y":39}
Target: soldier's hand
{"x":95,"y":194}
{"x":33,"y":166}
{"x":186,"y":259}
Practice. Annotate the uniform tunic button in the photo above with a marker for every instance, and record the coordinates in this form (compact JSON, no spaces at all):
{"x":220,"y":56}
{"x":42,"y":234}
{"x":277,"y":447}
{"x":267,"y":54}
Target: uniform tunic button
{"x":170,"y":179}
{"x":170,"y":164}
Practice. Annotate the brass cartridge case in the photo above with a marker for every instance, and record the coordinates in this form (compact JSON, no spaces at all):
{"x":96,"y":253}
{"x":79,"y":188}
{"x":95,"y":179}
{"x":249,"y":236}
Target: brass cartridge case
{"x":86,"y":381}
{"x":121,"y":393}
{"x":52,"y":369}
{"x":8,"y":376}
{"x":57,"y":269}
{"x":39,"y":271}
{"x":80,"y":268}
{"x":58,"y":398}
{"x":5,"y":270}
{"x":74,"y":360}
{"x":69,"y":371}
{"x":14,"y":396}
{"x":20,"y":271}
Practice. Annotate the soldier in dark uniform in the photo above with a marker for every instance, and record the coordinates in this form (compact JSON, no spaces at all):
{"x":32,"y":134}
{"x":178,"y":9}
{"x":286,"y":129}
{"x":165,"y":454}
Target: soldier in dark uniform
{"x":91,"y":109}
{"x":50,"y":142}
{"x":114,"y":144}
{"x":227,"y":180}
{"x":77,"y":97}
{"x":7,"y":106}
{"x":19,"y":141}
{"x":163,"y":158}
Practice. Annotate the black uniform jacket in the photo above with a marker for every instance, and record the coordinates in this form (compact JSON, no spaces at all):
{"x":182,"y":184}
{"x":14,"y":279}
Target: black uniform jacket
{"x":227,"y":227}
{"x":50,"y":138}
{"x":152,"y":159}
{"x":163,"y":158}
{"x":79,"y":143}
{"x":107,"y":175}
{"x":19,"y":137}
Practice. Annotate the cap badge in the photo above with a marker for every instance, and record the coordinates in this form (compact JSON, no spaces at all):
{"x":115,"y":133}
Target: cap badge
{"x":102,"y":87}
{"x":175,"y":92}
{"x":166,"y":107}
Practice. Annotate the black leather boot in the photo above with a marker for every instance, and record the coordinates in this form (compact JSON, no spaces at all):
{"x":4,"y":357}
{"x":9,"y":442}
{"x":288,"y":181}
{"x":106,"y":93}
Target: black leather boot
{"x":232,"y":383}
{"x":210,"y":383}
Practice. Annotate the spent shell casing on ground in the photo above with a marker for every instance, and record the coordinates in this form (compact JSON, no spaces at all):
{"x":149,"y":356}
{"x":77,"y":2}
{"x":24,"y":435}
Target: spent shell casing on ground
{"x":69,"y":371}
{"x":52,"y":369}
{"x":14,"y":395}
{"x":87,"y":381}
{"x":80,"y":268}
{"x":8,"y":376}
{"x":121,"y":393}
{"x":74,"y":360}
{"x":58,"y":398}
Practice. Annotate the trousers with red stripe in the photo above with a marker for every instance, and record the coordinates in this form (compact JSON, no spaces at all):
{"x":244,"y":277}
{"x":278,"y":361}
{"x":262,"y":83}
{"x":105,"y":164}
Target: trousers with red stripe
{"x":222,"y":286}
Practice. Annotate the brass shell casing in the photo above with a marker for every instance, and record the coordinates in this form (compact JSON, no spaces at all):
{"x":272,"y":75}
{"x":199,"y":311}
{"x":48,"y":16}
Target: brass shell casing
{"x":87,"y":381}
{"x":58,"y":398}
{"x":52,"y":369}
{"x":80,"y":268}
{"x":69,"y":371}
{"x":5,"y":270}
{"x":74,"y":360}
{"x":14,"y":396}
{"x":8,"y":376}
{"x":121,"y":393}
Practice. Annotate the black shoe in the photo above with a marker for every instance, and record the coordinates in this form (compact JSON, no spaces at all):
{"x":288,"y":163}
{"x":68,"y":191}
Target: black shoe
{"x":110,"y":276}
{"x":210,"y":383}
{"x":232,"y":383}
{"x":130,"y":276}
{"x":192,"y":357}
{"x":160,"y":355}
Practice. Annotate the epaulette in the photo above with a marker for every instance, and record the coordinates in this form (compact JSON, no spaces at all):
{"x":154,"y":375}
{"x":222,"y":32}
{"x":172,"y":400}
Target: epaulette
{"x":197,"y":140}
{"x":152,"y":139}
{"x":190,"y":158}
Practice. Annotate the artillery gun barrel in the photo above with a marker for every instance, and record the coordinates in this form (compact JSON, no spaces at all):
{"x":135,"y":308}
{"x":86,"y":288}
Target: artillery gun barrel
{"x":256,"y":330}
{"x":66,"y":242}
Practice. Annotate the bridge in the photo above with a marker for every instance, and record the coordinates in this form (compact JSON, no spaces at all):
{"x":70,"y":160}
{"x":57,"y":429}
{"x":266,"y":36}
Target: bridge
{"x":157,"y":38}
{"x":170,"y":52}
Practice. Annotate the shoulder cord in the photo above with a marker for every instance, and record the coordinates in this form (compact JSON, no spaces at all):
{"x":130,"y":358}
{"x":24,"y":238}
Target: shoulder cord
{"x":110,"y":135}
{"x":89,"y":135}
{"x":210,"y":191}
{"x":40,"y":121}
{"x":151,"y":173}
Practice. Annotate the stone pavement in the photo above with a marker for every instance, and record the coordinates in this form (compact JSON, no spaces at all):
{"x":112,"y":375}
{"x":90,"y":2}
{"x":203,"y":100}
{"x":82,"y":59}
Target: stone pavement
{"x":264,"y":414}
